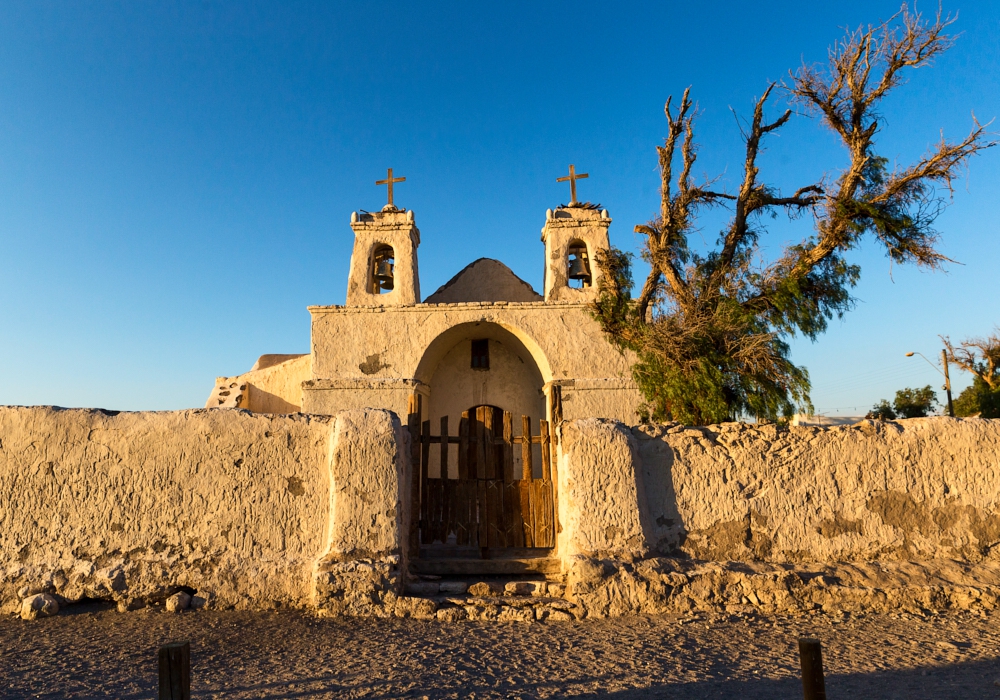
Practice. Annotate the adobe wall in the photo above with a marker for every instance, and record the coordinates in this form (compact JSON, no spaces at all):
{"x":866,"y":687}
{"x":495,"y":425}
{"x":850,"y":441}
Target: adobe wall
{"x":275,"y":388}
{"x":234,"y":505}
{"x":671,"y":517}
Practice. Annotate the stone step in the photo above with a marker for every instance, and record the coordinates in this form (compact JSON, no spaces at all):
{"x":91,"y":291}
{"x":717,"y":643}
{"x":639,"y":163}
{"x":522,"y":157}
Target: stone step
{"x":487,"y":567}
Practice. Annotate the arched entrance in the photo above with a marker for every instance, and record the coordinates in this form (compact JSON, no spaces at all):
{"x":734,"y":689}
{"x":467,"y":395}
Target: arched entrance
{"x":484,"y":464}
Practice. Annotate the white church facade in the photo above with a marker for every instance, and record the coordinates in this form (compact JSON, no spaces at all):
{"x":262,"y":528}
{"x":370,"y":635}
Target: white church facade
{"x":486,"y":338}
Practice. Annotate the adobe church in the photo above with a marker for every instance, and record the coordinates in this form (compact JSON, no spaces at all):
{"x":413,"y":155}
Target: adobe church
{"x":486,"y":338}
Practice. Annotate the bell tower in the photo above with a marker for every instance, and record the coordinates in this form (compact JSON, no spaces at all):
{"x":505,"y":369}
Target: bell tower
{"x":384,"y":261}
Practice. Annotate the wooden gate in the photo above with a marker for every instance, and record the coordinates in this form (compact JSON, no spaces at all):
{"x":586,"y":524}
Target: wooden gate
{"x":487,"y":505}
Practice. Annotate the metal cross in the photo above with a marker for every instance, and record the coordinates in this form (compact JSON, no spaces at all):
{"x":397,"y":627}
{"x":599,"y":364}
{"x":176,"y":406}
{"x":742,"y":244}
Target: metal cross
{"x":388,"y":181}
{"x":572,"y":177}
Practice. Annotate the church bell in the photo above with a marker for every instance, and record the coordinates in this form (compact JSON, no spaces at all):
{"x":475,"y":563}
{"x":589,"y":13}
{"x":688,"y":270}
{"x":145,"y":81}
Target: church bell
{"x":578,"y":269}
{"x":383,"y":274}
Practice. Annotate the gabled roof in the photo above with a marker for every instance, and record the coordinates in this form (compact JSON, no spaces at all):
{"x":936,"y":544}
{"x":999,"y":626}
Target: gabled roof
{"x":484,"y":280}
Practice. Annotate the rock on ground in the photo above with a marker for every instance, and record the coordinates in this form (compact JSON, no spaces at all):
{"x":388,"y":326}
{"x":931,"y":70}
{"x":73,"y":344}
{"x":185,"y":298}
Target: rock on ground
{"x":39,"y":605}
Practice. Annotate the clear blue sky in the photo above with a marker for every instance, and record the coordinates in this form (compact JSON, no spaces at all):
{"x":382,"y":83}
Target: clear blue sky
{"x":177,"y":178}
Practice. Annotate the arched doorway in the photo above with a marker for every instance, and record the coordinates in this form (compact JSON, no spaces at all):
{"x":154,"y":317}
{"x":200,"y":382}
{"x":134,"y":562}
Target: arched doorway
{"x":483,"y":485}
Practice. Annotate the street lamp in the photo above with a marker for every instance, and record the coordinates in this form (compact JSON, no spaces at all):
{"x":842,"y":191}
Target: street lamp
{"x":947,"y":379}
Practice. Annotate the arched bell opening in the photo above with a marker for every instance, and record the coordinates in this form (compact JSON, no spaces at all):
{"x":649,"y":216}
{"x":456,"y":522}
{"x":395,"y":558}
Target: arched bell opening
{"x":382,"y":275}
{"x":578,"y":265}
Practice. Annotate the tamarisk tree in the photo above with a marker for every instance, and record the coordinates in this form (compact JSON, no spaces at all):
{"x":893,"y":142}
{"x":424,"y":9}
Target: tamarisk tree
{"x":981,"y":358}
{"x":710,"y":331}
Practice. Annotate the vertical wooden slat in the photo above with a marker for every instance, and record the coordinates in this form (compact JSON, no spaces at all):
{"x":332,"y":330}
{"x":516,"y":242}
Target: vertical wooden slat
{"x":513,"y":526}
{"x":494,"y":513}
{"x":508,"y":447}
{"x":542,"y":510}
{"x":463,"y":446}
{"x":543,"y":429}
{"x":489,"y":449}
{"x":413,"y":423}
{"x":480,"y":438}
{"x":527,"y":520}
{"x":526,"y":467}
{"x":444,"y":447}
{"x":482,"y":513}
{"x":448,"y":510}
{"x":557,"y":418}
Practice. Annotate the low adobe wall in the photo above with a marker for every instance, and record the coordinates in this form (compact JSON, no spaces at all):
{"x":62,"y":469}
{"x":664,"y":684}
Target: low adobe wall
{"x":308,"y":511}
{"x":924,"y":488}
{"x":907,"y":491}
{"x":234,"y":505}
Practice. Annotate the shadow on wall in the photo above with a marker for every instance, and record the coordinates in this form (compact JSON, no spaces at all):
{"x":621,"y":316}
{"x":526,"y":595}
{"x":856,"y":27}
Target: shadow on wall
{"x":661,"y":520}
{"x":261,"y":401}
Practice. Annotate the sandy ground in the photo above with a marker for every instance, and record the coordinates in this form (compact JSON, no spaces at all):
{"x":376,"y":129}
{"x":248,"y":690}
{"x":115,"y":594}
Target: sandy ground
{"x":90,"y":652}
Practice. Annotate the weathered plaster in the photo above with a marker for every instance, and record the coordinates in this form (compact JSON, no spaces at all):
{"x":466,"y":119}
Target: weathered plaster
{"x":410,"y":342}
{"x":601,"y":505}
{"x":562,"y":227}
{"x":272,"y":386}
{"x":131,"y":506}
{"x":912,"y":489}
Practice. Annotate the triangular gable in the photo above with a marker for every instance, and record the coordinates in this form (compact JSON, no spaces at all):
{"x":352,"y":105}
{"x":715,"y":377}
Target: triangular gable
{"x":484,"y":280}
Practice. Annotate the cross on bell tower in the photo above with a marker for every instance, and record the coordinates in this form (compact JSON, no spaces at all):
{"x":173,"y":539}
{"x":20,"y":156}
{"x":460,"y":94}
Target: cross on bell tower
{"x":389,"y":182}
{"x":572,"y":178}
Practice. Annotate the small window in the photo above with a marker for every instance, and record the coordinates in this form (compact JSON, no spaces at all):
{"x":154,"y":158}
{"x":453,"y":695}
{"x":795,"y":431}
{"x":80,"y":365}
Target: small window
{"x":480,"y":354}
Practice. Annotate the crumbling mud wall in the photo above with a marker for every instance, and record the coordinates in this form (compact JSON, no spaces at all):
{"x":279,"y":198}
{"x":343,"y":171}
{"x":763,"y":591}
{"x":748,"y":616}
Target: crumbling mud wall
{"x":925,"y":488}
{"x":783,"y":519}
{"x":133,"y":506}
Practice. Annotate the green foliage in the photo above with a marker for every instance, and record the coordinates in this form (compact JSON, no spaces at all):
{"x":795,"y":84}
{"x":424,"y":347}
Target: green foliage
{"x":708,"y":364}
{"x":882,"y":411}
{"x":978,"y":399}
{"x":710,"y":331}
{"x":914,"y":403}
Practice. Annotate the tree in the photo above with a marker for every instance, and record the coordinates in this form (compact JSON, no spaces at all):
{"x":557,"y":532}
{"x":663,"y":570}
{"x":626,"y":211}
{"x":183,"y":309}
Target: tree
{"x":710,"y":331}
{"x":914,"y":403}
{"x":882,"y":411}
{"x":981,"y":358}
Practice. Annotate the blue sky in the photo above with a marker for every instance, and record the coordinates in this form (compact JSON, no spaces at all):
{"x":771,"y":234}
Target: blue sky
{"x":177,"y":178}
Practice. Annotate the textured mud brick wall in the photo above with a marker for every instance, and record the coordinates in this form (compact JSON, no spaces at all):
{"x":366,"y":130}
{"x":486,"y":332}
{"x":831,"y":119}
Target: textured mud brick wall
{"x":914,"y":489}
{"x":131,"y":505}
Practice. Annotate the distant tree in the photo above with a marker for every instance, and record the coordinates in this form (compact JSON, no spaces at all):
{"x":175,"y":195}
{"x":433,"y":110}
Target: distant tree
{"x":882,"y":411}
{"x":710,"y":331}
{"x":914,"y":403}
{"x":981,"y":358}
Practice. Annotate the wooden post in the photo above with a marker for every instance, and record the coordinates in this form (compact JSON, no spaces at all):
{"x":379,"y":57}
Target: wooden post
{"x":413,"y":423}
{"x":489,"y":448}
{"x":947,"y":382}
{"x":557,"y":417}
{"x":508,"y":447}
{"x":429,"y":522}
{"x":526,"y":467}
{"x":481,"y":442}
{"x":811,"y":656}
{"x":466,"y":521}
{"x":543,"y":429}
{"x":175,"y":671}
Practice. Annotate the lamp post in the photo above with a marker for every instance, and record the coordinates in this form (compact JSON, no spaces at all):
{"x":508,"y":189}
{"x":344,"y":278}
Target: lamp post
{"x":947,"y":379}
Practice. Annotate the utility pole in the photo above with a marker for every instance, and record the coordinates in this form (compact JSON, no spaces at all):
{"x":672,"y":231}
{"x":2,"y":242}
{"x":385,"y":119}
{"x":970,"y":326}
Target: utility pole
{"x":947,"y":382}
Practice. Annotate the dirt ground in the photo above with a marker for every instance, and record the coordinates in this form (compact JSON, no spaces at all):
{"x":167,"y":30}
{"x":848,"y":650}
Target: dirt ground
{"x":91,"y":652}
